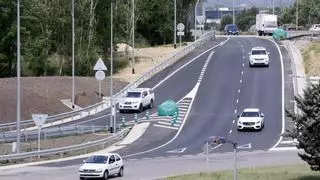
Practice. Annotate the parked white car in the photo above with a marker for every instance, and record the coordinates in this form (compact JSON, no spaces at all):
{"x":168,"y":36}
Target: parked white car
{"x":259,"y":56}
{"x":251,"y":118}
{"x":315,"y":27}
{"x":102,"y":166}
{"x":137,"y":99}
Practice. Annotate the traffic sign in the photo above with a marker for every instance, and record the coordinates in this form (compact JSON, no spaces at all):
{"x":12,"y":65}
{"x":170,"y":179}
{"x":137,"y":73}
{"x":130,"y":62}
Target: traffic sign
{"x":100,"y":75}
{"x":100,"y":65}
{"x":39,"y":119}
{"x":180,"y":33}
{"x":180,"y":27}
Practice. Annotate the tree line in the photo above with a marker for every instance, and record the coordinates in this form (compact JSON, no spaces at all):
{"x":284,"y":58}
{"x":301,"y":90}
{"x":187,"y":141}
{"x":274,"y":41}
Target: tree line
{"x":46,"y":32}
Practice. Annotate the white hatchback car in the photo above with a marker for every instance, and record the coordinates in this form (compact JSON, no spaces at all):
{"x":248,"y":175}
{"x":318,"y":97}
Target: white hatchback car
{"x":251,"y":118}
{"x":259,"y":56}
{"x":102,"y":166}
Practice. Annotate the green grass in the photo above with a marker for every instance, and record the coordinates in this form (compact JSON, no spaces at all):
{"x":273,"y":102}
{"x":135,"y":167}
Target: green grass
{"x":294,"y":172}
{"x":310,"y":54}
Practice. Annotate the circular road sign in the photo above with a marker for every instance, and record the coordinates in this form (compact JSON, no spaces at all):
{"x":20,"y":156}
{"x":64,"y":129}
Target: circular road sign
{"x":180,"y":27}
{"x":100,"y":75}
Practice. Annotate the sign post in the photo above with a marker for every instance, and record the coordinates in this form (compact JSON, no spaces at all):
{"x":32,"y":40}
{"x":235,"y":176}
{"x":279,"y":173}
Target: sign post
{"x":39,"y":120}
{"x":100,"y":67}
{"x":180,"y":28}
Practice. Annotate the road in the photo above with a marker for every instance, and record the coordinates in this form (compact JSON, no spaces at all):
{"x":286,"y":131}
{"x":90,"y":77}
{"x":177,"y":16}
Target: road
{"x":160,"y":167}
{"x":230,"y":85}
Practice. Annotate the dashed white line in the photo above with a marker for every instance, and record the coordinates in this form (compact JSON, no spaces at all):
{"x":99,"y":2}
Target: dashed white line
{"x":243,"y":50}
{"x":240,"y":81}
{"x":230,"y":131}
{"x":238,"y":90}
{"x":242,"y":72}
{"x":237,"y":101}
{"x":235,"y":111}
{"x":233,"y":121}
{"x":243,"y":65}
{"x":244,"y":57}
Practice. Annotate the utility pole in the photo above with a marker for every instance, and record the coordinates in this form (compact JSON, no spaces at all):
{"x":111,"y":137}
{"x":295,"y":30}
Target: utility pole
{"x":133,"y":60}
{"x":233,"y":13}
{"x":195,"y":20}
{"x":297,"y":15}
{"x":175,"y":24}
{"x":273,"y":7}
{"x":18,"y":77}
{"x":112,"y":117}
{"x":72,"y":14}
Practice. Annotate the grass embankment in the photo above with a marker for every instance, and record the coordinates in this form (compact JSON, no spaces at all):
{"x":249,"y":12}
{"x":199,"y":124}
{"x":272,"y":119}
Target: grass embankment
{"x":311,"y":59}
{"x":294,"y":172}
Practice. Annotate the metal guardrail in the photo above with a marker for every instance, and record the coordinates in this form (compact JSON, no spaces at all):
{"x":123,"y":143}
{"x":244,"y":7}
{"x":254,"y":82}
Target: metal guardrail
{"x":26,"y":136}
{"x":296,"y":34}
{"x":84,"y":112}
{"x":102,"y":143}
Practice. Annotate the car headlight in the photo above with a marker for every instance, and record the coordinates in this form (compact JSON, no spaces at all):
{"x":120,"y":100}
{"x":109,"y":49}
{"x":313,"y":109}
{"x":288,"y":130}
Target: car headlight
{"x":258,"y":122}
{"x":98,"y":170}
{"x":80,"y":170}
{"x":239,"y":122}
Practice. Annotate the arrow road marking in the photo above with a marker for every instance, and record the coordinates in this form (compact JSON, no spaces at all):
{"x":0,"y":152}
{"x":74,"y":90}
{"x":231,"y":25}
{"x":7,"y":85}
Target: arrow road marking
{"x":245,"y":146}
{"x":180,"y":150}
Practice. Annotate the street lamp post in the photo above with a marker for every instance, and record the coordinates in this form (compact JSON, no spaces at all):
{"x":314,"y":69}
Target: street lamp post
{"x":112,"y":117}
{"x":233,"y":13}
{"x":218,"y":140}
{"x":195,"y":20}
{"x":133,"y":60}
{"x":72,"y":14}
{"x":18,"y":77}
{"x":175,"y":24}
{"x":297,"y":15}
{"x":273,"y":7}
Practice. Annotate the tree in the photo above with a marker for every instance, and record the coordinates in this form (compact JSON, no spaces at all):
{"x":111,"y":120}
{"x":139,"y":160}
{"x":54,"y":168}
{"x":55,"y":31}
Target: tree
{"x":227,"y":19}
{"x":307,"y":130}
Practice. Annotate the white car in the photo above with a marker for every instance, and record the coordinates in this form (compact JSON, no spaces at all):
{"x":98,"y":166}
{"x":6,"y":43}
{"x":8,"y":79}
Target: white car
{"x":259,"y":56}
{"x":315,"y":27}
{"x":251,"y":118}
{"x":102,"y":166}
{"x":137,"y":99}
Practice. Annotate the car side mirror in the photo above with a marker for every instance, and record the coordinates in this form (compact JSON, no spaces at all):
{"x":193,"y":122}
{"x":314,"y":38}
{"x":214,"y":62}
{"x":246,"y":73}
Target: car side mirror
{"x":238,"y":116}
{"x":262,"y":115}
{"x":268,"y":53}
{"x":249,"y":53}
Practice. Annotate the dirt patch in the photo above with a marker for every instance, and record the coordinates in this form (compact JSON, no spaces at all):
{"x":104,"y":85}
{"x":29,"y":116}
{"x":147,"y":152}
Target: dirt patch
{"x":311,"y":54}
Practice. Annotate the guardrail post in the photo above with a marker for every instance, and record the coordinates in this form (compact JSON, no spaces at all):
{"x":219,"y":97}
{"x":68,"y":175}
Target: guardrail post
{"x":147,"y":115}
{"x":123,"y":120}
{"x":93,"y":130}
{"x":135,"y":117}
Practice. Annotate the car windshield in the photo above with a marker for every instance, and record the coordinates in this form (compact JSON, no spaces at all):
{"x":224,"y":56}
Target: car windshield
{"x":250,"y":114}
{"x":134,"y":94}
{"x":259,"y":52}
{"x":97,"y":159}
{"x":231,"y":28}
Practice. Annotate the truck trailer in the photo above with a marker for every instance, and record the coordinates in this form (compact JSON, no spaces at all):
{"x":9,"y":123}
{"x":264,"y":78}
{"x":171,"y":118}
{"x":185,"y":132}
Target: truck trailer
{"x":266,"y":24}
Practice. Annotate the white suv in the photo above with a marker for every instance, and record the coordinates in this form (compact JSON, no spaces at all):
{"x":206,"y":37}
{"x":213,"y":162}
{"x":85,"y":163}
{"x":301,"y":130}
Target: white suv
{"x":102,"y":166}
{"x":137,"y":99}
{"x":251,"y":118}
{"x":259,"y":56}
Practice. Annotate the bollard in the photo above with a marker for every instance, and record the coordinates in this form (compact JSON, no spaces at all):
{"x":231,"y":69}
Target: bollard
{"x":135,"y":117}
{"x":175,"y":117}
{"x":123,"y":120}
{"x":147,"y":115}
{"x":172,"y":121}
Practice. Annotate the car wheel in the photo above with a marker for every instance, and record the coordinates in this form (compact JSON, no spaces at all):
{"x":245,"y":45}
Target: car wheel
{"x":151,"y":104}
{"x":106,"y":175}
{"x":120,"y":174}
{"x":140,"y":108}
{"x":250,"y":65}
{"x":82,"y":178}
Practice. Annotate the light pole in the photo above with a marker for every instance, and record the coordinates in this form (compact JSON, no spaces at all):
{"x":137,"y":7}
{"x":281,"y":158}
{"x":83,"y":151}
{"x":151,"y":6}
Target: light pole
{"x":112,"y":117}
{"x":273,"y":7}
{"x":219,"y":140}
{"x":72,"y":14}
{"x":297,"y":15}
{"x":195,"y":20}
{"x":133,"y":61}
{"x":175,"y":24}
{"x":233,"y":16}
{"x":18,"y":77}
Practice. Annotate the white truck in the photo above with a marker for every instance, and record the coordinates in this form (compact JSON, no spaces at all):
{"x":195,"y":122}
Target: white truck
{"x":137,"y":100}
{"x":266,"y":23}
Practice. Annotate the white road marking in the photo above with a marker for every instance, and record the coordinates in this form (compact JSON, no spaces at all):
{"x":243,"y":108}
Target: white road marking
{"x":179,"y":150}
{"x":238,"y":90}
{"x":243,"y":65}
{"x":230,"y":131}
{"x":237,"y":101}
{"x":233,"y":121}
{"x":240,"y":81}
{"x":282,"y":94}
{"x":241,"y":72}
{"x":244,"y":57}
{"x":235,"y":111}
{"x":168,"y":127}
